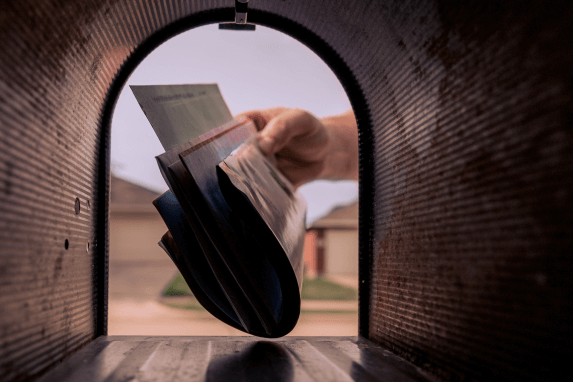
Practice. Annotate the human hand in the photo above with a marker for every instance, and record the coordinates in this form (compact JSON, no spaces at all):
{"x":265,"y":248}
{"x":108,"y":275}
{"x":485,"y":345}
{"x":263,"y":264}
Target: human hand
{"x":305,"y":147}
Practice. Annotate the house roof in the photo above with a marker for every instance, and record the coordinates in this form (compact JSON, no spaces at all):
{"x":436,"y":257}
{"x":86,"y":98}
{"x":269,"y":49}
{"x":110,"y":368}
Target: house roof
{"x":124,"y":192}
{"x":339,"y":217}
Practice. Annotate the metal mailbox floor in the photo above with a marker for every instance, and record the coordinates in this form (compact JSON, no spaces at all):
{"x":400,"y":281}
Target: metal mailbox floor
{"x":130,"y":358}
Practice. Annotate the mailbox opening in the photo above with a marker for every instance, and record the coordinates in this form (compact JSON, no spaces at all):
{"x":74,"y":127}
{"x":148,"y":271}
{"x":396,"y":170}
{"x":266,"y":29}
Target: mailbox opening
{"x":254,"y":71}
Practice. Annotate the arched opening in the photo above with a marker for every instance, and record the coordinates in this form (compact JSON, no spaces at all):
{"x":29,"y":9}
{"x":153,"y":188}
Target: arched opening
{"x":254,"y":71}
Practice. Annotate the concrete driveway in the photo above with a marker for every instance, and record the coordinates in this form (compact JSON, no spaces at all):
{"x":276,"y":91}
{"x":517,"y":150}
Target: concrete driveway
{"x":134,"y":308}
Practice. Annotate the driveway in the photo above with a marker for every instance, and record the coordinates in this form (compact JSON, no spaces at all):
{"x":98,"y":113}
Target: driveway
{"x":134,"y":308}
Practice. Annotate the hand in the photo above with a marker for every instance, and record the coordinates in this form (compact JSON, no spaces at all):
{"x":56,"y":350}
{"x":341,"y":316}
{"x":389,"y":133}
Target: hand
{"x":305,"y":147}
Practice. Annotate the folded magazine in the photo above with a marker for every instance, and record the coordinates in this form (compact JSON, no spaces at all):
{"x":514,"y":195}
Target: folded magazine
{"x":236,"y":224}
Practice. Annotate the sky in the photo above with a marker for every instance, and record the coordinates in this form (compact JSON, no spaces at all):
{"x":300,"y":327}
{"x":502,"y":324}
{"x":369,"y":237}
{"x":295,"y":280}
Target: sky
{"x":254,"y":70}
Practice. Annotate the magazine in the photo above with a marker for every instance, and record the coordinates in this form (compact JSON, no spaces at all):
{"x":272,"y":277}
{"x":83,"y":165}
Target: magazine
{"x":236,"y":223}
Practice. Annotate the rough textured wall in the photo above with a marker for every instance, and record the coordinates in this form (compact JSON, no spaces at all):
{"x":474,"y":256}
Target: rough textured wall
{"x":473,"y":244}
{"x":466,"y":205}
{"x":54,"y":75}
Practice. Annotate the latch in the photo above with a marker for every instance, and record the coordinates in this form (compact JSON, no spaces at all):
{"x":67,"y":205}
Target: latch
{"x":241,"y":7}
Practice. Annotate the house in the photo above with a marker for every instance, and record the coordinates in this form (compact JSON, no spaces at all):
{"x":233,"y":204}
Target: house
{"x":135,"y":224}
{"x":331,"y":243}
{"x":138,"y":268}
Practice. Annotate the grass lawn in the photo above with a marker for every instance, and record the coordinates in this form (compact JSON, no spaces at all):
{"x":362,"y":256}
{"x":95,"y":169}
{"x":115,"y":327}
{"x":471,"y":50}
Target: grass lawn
{"x":319,"y":288}
{"x":177,"y":287}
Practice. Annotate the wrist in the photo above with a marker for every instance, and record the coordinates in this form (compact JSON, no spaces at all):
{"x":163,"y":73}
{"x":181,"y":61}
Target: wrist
{"x":341,"y":161}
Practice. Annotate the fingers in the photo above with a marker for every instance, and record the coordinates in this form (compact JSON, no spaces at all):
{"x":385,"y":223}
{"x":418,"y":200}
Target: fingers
{"x":305,"y":147}
{"x":279,"y":125}
{"x":297,"y":173}
{"x":282,"y":128}
{"x":261,"y":117}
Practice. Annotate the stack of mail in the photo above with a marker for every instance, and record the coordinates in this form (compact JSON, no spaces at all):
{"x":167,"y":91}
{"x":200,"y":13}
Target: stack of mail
{"x":236,"y":224}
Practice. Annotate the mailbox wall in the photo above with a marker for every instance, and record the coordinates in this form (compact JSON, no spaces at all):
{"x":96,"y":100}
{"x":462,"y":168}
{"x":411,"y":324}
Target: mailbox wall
{"x":466,"y":210}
